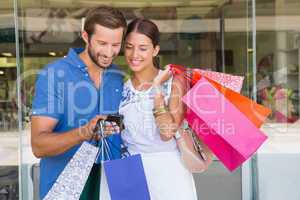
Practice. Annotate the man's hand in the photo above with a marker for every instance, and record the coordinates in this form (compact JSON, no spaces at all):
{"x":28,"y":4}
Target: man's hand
{"x":88,"y":131}
{"x":45,"y":142}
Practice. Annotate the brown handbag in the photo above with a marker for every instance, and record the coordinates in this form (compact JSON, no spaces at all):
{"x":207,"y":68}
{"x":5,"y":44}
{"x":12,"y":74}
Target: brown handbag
{"x":195,"y":155}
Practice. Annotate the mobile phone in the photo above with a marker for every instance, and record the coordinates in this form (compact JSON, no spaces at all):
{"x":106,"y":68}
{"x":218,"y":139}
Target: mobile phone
{"x":117,"y":118}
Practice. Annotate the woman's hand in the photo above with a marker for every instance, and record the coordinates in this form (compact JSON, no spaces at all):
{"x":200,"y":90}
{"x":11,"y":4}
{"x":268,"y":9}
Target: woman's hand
{"x":163,"y":76}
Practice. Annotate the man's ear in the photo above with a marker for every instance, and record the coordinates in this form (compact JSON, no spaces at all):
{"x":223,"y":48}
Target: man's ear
{"x":85,"y":37}
{"x":156,"y":50}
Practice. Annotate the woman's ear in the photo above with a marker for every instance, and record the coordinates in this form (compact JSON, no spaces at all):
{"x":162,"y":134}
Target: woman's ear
{"x":156,"y":50}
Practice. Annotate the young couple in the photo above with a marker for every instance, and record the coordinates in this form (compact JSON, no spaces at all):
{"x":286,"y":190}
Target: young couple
{"x":72,"y":93}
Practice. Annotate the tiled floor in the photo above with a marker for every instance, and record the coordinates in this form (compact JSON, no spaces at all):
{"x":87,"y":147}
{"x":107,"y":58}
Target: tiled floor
{"x":279,"y":154}
{"x":9,"y":183}
{"x":9,"y":149}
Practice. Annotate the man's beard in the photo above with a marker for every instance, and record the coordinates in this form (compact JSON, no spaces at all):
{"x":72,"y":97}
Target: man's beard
{"x":94,"y":59}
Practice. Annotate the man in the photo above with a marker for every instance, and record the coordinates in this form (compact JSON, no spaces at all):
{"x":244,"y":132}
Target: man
{"x":73,"y":92}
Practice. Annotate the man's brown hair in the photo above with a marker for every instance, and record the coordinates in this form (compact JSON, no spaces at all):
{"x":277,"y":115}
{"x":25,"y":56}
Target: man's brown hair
{"x":108,"y":17}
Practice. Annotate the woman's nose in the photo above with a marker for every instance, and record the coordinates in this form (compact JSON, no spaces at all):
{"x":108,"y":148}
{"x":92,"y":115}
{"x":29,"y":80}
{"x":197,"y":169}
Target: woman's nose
{"x":134,"y":53}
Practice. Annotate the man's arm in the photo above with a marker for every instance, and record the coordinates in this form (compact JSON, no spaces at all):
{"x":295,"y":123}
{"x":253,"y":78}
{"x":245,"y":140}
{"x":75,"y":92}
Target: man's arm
{"x":45,"y":142}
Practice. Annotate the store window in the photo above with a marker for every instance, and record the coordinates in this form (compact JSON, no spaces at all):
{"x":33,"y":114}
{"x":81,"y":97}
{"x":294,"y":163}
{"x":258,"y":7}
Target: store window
{"x":8,"y":117}
{"x":212,"y":34}
{"x":278,"y":63}
{"x":206,"y":34}
{"x":9,"y":136}
{"x":278,"y":39}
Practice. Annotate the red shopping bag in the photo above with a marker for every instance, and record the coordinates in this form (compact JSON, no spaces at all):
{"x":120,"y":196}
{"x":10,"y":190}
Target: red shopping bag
{"x":231,"y":135}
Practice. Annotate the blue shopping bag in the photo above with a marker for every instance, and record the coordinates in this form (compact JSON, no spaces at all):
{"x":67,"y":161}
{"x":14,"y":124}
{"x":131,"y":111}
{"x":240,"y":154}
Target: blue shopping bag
{"x":125,"y":175}
{"x":126,"y":179}
{"x":112,"y":148}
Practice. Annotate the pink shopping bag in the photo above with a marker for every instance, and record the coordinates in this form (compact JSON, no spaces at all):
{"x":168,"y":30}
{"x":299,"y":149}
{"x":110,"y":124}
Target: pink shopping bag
{"x":231,"y":136}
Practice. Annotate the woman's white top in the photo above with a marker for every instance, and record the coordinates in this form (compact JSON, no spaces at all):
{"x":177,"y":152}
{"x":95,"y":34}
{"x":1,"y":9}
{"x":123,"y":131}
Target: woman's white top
{"x":141,"y":134}
{"x":167,"y":178}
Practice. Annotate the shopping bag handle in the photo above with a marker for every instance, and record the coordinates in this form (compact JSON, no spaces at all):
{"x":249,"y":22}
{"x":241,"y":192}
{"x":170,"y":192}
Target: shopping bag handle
{"x":106,"y":144}
{"x":124,"y":150}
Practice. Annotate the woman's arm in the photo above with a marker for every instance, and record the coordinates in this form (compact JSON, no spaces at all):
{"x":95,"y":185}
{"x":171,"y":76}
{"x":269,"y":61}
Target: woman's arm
{"x":170,"y":120}
{"x":169,"y":117}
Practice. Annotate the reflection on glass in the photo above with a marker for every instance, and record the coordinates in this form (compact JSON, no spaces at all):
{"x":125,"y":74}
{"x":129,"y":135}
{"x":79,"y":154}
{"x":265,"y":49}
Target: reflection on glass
{"x":9,"y":186}
{"x":205,"y":34}
{"x":210,"y":34}
{"x":8,"y":109}
{"x":278,"y":60}
{"x":278,"y":81}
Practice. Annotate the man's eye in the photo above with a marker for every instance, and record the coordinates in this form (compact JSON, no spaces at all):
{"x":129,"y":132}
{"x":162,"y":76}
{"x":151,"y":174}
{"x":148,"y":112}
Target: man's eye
{"x":143,"y":49}
{"x":128,"y":47}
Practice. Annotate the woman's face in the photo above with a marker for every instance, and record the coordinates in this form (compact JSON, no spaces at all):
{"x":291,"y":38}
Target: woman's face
{"x":139,"y":51}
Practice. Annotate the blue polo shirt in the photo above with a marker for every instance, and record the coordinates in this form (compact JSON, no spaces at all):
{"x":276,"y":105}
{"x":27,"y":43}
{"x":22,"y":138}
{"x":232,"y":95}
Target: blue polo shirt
{"x":64,"y":91}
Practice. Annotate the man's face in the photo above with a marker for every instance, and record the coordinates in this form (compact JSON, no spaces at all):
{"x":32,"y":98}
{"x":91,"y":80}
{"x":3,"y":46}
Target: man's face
{"x":104,"y":45}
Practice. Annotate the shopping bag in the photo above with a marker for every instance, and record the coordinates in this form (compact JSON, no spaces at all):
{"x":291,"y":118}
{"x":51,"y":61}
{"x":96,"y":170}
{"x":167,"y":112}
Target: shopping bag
{"x":232,"y":82}
{"x":231,"y":136}
{"x":104,"y":194}
{"x":256,"y":113}
{"x":71,"y":181}
{"x":229,"y":81}
{"x":126,"y":179}
{"x":91,"y":188}
{"x":74,"y":181}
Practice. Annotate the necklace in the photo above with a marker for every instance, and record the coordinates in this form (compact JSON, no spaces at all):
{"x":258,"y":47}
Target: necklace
{"x":142,"y":85}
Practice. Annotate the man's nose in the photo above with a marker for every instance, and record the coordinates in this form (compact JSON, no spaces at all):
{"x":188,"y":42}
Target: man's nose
{"x":108,"y":51}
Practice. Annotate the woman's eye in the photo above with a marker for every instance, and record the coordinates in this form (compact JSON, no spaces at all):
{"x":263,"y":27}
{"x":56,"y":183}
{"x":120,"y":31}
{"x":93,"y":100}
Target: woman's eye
{"x":143,"y":49}
{"x":127,"y":47}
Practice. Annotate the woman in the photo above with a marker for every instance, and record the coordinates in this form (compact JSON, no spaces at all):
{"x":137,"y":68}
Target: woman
{"x":152,"y":116}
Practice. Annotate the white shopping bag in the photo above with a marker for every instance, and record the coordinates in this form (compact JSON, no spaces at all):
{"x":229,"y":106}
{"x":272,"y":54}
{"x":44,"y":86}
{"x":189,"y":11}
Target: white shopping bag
{"x":71,"y":181}
{"x":104,"y":191}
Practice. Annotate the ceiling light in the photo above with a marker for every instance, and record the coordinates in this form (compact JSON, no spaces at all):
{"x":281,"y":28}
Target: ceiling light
{"x":52,"y":53}
{"x":7,"y":54}
{"x":1,"y":72}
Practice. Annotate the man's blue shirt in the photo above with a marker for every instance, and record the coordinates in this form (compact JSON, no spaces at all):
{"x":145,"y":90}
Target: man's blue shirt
{"x":64,"y":91}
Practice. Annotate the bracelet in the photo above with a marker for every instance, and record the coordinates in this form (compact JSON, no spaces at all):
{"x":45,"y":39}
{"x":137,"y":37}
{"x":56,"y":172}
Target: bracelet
{"x":177,"y":135}
{"x":159,"y":114}
{"x":159,"y":111}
